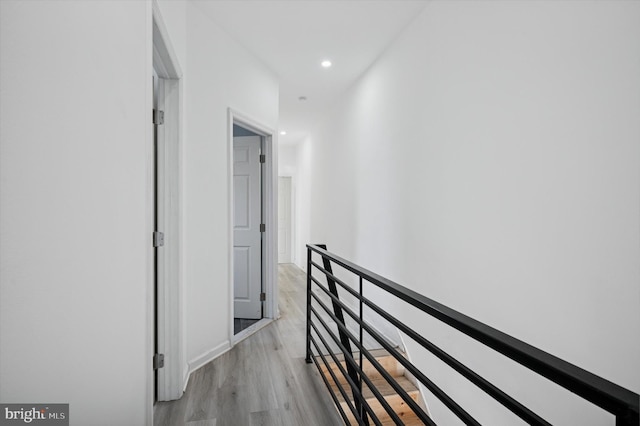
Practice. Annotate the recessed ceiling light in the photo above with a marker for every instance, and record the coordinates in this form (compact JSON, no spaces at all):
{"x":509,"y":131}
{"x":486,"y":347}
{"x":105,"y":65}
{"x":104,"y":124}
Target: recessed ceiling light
{"x":283,"y":133}
{"x":326,"y":63}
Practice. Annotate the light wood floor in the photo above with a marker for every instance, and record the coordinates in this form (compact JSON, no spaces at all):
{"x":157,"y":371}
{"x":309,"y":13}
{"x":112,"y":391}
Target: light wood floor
{"x":263,"y":380}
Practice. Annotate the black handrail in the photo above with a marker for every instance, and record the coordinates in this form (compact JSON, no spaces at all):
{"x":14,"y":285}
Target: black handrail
{"x":620,"y":402}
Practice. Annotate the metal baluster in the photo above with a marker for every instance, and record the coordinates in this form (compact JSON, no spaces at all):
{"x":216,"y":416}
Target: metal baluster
{"x":308,"y":358}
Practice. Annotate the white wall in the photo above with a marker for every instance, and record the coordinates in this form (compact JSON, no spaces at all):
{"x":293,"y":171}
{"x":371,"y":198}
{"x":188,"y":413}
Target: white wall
{"x":288,"y":167}
{"x":302,"y":206}
{"x":75,"y":141}
{"x":490,"y":160}
{"x":287,"y":159}
{"x":220,"y":74}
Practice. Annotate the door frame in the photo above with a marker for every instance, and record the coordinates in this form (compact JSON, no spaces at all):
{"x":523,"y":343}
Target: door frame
{"x":270,"y":214}
{"x":169,"y":275}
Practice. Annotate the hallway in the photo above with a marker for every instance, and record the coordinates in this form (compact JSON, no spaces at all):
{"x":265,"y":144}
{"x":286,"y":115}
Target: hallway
{"x":484,"y":154}
{"x":263,"y":380}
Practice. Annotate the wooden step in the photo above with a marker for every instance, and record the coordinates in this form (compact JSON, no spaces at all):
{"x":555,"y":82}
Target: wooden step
{"x":398,"y":405}
{"x":379,"y":383}
{"x":388,"y":362}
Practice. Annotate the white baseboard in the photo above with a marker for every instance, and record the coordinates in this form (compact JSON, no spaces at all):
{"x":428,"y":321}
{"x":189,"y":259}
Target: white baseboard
{"x":208,"y":356}
{"x":185,"y":380}
{"x":422,"y":391}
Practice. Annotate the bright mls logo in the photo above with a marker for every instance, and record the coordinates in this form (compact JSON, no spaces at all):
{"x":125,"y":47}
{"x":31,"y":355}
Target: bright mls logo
{"x":36,"y":414}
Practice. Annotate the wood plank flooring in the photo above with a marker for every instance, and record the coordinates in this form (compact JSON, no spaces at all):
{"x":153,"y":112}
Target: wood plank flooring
{"x":263,"y":380}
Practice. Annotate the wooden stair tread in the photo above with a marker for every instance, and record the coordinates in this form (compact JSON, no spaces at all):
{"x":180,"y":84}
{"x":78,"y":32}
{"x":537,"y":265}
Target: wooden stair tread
{"x":380,"y":384}
{"x":397,"y":404}
{"x":409,"y":419}
{"x":388,"y":363}
{"x":377,"y":353}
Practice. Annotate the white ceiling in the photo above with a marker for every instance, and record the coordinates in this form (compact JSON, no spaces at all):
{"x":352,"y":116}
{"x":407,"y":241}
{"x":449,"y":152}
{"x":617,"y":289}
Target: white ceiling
{"x":292,"y":37}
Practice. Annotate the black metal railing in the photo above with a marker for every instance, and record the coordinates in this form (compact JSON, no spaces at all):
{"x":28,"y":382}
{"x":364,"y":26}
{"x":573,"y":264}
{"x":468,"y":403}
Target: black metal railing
{"x":620,"y":402}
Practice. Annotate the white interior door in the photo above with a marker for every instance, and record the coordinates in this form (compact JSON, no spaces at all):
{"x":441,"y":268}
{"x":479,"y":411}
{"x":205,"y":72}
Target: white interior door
{"x":284,"y":219}
{"x":247,"y":238}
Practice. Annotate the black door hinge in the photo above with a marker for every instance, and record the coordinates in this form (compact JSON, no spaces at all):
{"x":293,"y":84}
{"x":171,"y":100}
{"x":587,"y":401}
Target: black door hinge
{"x":158,"y":361}
{"x":158,"y":116}
{"x":158,"y":239}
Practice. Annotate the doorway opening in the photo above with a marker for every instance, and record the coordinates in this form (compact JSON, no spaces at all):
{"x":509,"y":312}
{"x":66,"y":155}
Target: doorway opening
{"x":248,"y":227}
{"x":253,"y":252}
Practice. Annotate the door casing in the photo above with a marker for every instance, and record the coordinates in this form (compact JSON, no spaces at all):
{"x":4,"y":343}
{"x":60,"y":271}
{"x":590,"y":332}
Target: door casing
{"x":269,"y":204}
{"x":170,"y":328}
